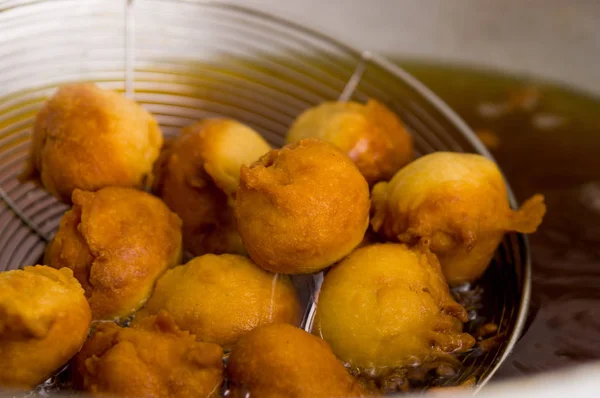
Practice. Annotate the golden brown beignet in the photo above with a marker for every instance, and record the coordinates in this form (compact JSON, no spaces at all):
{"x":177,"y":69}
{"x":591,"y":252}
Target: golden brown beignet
{"x":458,"y":204}
{"x":220,"y":298}
{"x":302,"y":208}
{"x":283,"y":361}
{"x":370,"y":134}
{"x":386,"y":305}
{"x":197,"y":175}
{"x":117,"y":241}
{"x":88,"y":138}
{"x":151,"y":359}
{"x":44,"y":320}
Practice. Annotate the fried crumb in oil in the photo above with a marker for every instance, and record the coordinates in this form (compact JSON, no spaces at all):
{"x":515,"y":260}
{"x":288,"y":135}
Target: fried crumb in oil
{"x":489,"y":138}
{"x":486,"y":330}
{"x":488,"y":344}
{"x":525,"y":98}
{"x":446,"y":371}
{"x":468,"y":297}
{"x":434,"y":376}
{"x":408,"y":378}
{"x":470,"y":382}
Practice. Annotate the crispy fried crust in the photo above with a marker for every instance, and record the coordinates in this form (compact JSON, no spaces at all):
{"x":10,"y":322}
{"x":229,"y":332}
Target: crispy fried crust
{"x":88,"y":138}
{"x":117,"y":241}
{"x":152,"y":359}
{"x":44,"y":320}
{"x":283,"y":361}
{"x":197,"y":175}
{"x":302,"y":208}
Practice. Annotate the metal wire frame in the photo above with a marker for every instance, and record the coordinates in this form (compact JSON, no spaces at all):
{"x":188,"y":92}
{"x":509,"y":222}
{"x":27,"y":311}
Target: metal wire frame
{"x":515,"y":249}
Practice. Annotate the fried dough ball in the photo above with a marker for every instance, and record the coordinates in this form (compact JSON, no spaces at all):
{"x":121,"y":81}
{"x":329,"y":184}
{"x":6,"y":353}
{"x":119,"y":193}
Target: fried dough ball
{"x":283,"y":361}
{"x":371,"y":135}
{"x":44,"y":320}
{"x":117,"y":241}
{"x":220,"y":298}
{"x":458,"y":204}
{"x":302,"y":208}
{"x":151,"y":359}
{"x":387,"y":305}
{"x":197,"y":175}
{"x":88,"y":138}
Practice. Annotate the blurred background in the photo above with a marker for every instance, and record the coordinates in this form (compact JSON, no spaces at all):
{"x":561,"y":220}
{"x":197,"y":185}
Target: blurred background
{"x":551,"y":39}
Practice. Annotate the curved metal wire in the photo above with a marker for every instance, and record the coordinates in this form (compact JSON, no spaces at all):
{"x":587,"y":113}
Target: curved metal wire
{"x":185,"y":60}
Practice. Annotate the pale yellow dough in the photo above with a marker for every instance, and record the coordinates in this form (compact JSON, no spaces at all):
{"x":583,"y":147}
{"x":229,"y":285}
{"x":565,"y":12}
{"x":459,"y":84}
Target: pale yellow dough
{"x":220,"y":298}
{"x":387,"y":305}
{"x":197,"y":175}
{"x":456,"y":203}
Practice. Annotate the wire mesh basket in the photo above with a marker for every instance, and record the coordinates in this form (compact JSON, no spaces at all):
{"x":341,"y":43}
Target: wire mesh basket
{"x":188,"y":60}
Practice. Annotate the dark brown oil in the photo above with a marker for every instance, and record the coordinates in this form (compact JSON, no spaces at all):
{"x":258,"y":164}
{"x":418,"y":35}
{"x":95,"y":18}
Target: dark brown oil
{"x":546,"y":139}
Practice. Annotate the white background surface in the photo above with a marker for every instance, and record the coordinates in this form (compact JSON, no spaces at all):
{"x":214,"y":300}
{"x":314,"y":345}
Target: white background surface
{"x":556,"y":39}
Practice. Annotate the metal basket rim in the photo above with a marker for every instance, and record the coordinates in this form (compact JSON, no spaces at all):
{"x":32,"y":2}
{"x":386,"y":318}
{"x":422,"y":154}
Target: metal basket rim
{"x":423,"y":91}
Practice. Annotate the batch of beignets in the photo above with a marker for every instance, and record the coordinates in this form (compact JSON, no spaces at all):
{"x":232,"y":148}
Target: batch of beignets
{"x":344,"y":196}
